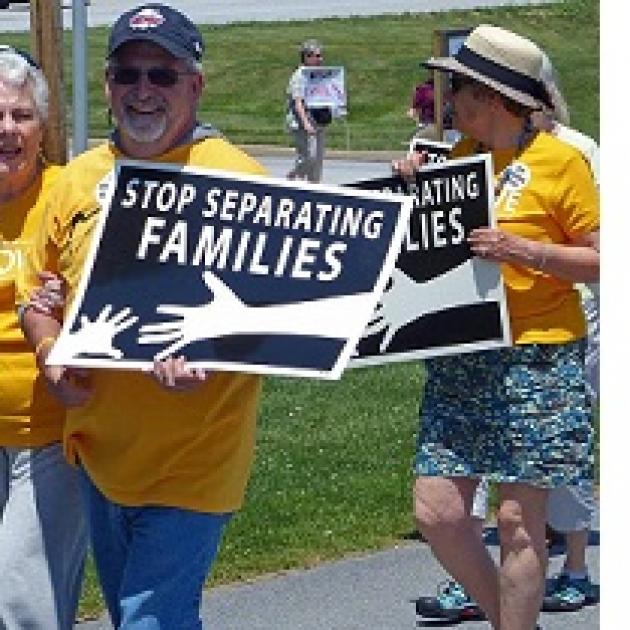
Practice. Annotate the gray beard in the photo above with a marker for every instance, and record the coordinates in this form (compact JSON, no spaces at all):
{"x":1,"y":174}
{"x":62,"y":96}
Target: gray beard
{"x":143,"y":134}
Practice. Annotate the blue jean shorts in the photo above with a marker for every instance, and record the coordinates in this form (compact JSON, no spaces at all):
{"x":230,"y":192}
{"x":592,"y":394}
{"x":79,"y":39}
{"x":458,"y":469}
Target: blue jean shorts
{"x":517,"y":415}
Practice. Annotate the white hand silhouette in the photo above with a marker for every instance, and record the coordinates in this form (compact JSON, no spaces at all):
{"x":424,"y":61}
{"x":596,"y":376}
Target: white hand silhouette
{"x":227,"y":314}
{"x":395,"y":309}
{"x":97,"y":337}
{"x":406,"y":300}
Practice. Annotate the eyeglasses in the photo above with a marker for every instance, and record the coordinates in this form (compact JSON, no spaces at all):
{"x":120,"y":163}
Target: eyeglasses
{"x":459,"y":81}
{"x":313,"y":54}
{"x":158,"y":76}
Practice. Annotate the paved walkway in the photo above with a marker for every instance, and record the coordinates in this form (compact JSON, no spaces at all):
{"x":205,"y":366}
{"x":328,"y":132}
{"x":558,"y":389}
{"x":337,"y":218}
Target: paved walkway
{"x":103,"y":12}
{"x":374,"y":591}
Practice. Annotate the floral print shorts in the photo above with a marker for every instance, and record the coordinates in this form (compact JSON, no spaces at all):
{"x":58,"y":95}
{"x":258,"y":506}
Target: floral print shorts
{"x":517,"y":415}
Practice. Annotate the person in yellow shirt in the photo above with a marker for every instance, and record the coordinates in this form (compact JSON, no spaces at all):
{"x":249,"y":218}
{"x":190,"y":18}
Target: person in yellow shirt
{"x":520,"y":415}
{"x":43,"y":536}
{"x":164,"y":457}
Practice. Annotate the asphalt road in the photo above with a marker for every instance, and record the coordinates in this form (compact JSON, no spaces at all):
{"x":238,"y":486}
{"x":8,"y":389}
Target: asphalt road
{"x":103,"y":12}
{"x":376,"y":591}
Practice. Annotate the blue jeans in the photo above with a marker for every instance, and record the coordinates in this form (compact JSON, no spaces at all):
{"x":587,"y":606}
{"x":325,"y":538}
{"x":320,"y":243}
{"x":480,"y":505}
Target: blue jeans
{"x":152,"y":561}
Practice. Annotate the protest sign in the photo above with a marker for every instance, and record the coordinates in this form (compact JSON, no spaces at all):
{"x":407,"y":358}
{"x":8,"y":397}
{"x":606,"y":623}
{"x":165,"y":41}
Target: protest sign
{"x":441,"y":299}
{"x":234,"y":272}
{"x":436,"y":151}
{"x":325,"y":88}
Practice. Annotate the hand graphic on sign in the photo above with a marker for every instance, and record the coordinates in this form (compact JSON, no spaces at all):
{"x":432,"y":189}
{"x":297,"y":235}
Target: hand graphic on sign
{"x":396,"y":311}
{"x":227,"y":315}
{"x":222,"y":316}
{"x":97,"y":337}
{"x":397,"y":308}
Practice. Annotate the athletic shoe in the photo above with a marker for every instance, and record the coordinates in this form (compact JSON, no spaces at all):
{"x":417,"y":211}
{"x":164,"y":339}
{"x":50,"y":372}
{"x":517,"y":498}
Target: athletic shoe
{"x":564,"y":594}
{"x":451,"y":604}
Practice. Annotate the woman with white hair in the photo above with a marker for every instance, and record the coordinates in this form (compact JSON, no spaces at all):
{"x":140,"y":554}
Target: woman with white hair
{"x":519,"y":415}
{"x":42,"y":532}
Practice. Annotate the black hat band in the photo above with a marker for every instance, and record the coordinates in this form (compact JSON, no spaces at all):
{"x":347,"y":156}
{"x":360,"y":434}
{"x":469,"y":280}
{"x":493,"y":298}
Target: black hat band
{"x":506,"y":76}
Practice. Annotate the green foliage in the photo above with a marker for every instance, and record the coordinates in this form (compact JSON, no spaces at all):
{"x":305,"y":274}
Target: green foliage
{"x":332,"y":474}
{"x":248,"y":66}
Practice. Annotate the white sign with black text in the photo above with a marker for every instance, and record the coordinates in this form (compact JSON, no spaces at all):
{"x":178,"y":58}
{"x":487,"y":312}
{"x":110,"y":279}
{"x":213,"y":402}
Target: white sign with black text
{"x":326,"y":88}
{"x":435,"y":151}
{"x":441,"y":299}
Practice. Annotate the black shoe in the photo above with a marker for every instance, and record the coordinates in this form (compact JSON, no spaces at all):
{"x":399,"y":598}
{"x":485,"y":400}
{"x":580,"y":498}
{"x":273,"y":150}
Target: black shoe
{"x":564,"y":594}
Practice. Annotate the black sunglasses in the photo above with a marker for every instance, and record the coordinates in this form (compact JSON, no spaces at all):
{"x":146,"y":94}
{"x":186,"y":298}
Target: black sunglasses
{"x":458,"y":81}
{"x":158,"y":76}
{"x":313,"y":54}
{"x":20,"y":53}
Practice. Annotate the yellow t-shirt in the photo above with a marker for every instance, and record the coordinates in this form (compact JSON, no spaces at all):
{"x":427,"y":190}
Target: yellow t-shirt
{"x":549,"y":196}
{"x":141,"y":444}
{"x":29,"y":415}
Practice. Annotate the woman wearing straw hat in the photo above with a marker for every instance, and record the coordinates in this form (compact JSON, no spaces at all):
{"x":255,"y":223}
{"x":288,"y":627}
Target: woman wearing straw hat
{"x":519,"y":415}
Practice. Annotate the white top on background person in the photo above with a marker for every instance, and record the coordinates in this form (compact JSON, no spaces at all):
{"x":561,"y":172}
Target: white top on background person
{"x":308,"y":134}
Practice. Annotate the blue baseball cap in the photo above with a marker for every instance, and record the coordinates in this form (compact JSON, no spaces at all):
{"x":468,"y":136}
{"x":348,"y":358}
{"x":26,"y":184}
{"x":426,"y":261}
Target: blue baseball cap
{"x":161,"y":25}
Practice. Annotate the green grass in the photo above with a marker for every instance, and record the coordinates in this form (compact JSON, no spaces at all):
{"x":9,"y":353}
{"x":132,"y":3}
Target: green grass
{"x":332,"y":474}
{"x":248,"y":66}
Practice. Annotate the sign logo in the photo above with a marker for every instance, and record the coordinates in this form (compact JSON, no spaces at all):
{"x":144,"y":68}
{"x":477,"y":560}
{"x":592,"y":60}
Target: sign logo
{"x":146,"y":19}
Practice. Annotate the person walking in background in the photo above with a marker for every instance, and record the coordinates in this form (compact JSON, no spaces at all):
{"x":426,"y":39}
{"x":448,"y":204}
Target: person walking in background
{"x":525,"y":406}
{"x":164,"y":457}
{"x":43,"y":536}
{"x":308,"y":127}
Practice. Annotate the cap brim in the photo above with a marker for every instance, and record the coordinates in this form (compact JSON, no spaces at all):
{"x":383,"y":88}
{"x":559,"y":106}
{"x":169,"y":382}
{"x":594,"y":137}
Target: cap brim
{"x":180,"y":52}
{"x":450,"y":64}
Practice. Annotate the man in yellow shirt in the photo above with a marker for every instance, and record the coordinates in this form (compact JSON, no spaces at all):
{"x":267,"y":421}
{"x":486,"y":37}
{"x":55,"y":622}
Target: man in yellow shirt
{"x":164,"y":458}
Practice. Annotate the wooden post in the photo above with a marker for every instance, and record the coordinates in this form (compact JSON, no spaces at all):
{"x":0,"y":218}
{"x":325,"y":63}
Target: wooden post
{"x":47,"y":47}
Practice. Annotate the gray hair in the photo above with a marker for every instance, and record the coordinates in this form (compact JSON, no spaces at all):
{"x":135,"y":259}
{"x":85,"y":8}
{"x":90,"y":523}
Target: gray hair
{"x":559,"y":111}
{"x":18,"y":70}
{"x":310,"y":46}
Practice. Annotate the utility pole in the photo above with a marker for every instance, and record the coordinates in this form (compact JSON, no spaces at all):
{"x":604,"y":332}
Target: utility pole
{"x":47,"y":47}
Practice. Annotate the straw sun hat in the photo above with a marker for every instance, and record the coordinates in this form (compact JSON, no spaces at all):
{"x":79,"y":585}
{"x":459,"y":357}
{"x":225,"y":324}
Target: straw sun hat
{"x":502,"y":60}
